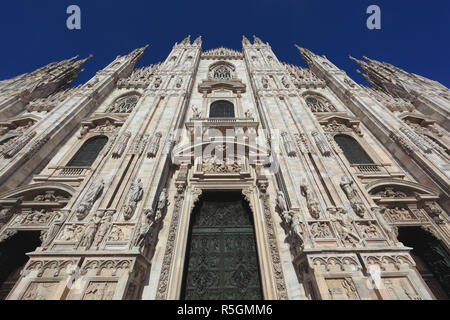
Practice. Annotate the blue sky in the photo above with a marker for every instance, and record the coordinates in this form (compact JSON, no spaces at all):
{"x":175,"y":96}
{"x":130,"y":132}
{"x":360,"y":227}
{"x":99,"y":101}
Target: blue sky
{"x":414,"y":34}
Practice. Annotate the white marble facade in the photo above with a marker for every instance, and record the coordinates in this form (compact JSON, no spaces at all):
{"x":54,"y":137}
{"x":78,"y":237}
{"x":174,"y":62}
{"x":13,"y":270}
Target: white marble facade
{"x":326,"y":226}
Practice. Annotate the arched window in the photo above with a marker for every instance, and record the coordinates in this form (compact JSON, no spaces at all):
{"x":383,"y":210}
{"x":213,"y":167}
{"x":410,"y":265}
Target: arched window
{"x":317,"y":105}
{"x":124,"y":104}
{"x":352,"y":150}
{"x":88,"y":152}
{"x":222,"y":73}
{"x":221,"y":109}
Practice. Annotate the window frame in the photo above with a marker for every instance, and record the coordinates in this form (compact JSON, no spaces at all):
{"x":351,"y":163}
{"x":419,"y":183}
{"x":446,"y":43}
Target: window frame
{"x":218,"y":101}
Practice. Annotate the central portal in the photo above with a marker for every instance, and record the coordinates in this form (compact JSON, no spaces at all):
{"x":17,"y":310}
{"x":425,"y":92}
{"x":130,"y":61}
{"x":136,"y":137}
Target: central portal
{"x":221,"y":257}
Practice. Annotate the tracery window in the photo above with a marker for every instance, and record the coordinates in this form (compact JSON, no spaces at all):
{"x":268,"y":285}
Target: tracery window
{"x":124,"y":104}
{"x":354,"y":153}
{"x":88,"y":152}
{"x":317,"y":105}
{"x":221,"y":109}
{"x":222,"y":73}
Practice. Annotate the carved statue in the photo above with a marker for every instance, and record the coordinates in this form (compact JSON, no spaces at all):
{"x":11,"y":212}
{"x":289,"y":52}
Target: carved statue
{"x":103,"y":228}
{"x":352,"y":195}
{"x":5,"y":215}
{"x":134,"y":196}
{"x":179,"y":82}
{"x":249,"y":114}
{"x":281,"y":202}
{"x":320,"y":230}
{"x":121,"y":145}
{"x":148,"y":219}
{"x":344,"y":227}
{"x":216,"y":165}
{"x":265,"y":82}
{"x":390,"y":230}
{"x":158,"y":82}
{"x":321,"y":144}
{"x":37,"y":217}
{"x":163,"y":202}
{"x":154,"y":145}
{"x":288,"y":144}
{"x":92,"y":195}
{"x":313,"y":204}
{"x":435,"y":212}
{"x":196,"y":114}
{"x":56,"y":225}
{"x":88,"y":236}
{"x":297,"y":231}
{"x":285,"y":82}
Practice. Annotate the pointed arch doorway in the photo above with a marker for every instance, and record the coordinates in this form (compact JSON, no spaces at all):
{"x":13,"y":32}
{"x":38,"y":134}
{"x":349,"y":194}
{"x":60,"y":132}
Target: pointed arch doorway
{"x":221,"y":259}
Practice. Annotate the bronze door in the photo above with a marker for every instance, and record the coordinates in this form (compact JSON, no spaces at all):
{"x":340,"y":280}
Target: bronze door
{"x":221,"y":261}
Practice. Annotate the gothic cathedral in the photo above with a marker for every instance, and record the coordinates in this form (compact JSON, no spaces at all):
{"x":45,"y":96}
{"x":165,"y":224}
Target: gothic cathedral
{"x":224,"y":175}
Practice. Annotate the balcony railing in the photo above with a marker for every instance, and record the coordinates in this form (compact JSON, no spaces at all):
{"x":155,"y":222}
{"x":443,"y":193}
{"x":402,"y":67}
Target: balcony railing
{"x":70,"y":171}
{"x":368,"y":168}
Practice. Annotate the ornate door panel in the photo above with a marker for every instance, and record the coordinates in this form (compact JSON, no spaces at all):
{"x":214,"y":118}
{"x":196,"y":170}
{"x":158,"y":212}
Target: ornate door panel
{"x":222,"y":261}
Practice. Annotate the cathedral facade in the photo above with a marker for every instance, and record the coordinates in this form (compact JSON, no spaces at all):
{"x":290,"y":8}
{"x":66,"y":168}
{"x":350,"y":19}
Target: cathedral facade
{"x":224,"y":175}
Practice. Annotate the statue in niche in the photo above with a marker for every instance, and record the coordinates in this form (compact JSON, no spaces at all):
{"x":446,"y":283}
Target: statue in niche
{"x":285,"y":82}
{"x":103,"y":228}
{"x":148,"y":219}
{"x":163,"y":202}
{"x":87,"y":238}
{"x":391,"y":231}
{"x":196,"y":114}
{"x":92,"y":195}
{"x":344,"y":227}
{"x":281,"y":202}
{"x":249,"y":114}
{"x":56,"y":225}
{"x":265,"y":82}
{"x":312,"y":203}
{"x":5,"y":215}
{"x":134,"y":196}
{"x":320,"y":230}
